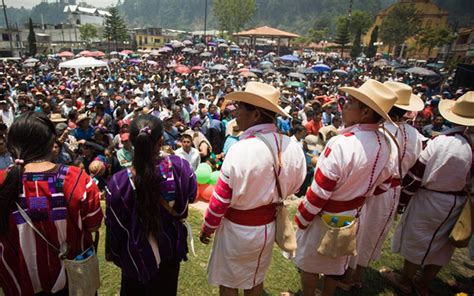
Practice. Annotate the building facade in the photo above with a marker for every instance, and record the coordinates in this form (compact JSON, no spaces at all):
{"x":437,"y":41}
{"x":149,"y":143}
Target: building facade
{"x":431,"y":17}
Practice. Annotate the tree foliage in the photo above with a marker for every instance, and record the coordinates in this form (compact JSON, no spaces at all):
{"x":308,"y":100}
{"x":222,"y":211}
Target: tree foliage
{"x":371,"y":48}
{"x":356,"y":45}
{"x":114,"y":27}
{"x":401,"y":23}
{"x":88,"y":32}
{"x":233,"y":15}
{"x":433,"y":37}
{"x":342,"y":33}
{"x":31,"y":39}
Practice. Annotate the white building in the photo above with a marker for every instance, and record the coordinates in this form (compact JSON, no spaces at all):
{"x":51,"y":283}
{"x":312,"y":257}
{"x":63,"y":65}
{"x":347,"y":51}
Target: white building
{"x":84,"y":15}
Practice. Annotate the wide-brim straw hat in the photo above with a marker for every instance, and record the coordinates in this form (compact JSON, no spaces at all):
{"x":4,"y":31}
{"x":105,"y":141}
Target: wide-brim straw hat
{"x":56,"y":118}
{"x":260,"y":95}
{"x":406,"y":100}
{"x":82,"y":117}
{"x":374,"y":95}
{"x":460,"y":111}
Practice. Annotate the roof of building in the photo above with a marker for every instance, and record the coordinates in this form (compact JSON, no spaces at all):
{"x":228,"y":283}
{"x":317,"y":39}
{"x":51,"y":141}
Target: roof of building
{"x":266,"y":31}
{"x":85,"y":10}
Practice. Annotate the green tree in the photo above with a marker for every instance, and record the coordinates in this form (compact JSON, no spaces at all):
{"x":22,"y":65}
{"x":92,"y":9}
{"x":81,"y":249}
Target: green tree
{"x":361,"y":21}
{"x":433,"y":37}
{"x":342,"y":33}
{"x":401,"y":23}
{"x":31,"y":39}
{"x":371,"y":48}
{"x":88,"y":33}
{"x":233,"y":15}
{"x":356,"y":45}
{"x":114,"y":27}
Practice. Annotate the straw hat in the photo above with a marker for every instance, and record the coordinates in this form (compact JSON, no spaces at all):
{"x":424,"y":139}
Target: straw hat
{"x":56,"y":118}
{"x":460,"y":111}
{"x":375,"y":95}
{"x":406,"y":100}
{"x":260,"y":95}
{"x":82,"y":117}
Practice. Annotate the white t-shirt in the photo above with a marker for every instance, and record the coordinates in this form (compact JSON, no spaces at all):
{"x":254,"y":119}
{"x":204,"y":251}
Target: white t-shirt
{"x":192,"y":157}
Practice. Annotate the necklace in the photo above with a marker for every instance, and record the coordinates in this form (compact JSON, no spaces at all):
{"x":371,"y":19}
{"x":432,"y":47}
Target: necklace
{"x":38,"y":160}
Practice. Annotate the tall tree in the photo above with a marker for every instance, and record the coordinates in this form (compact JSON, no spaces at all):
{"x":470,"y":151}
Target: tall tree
{"x":433,"y":37}
{"x":401,"y":23}
{"x":88,"y":33}
{"x":356,"y":45}
{"x":31,"y":39}
{"x":233,"y":15}
{"x":361,"y":21}
{"x":371,"y":48}
{"x":342,"y":34}
{"x":114,"y":27}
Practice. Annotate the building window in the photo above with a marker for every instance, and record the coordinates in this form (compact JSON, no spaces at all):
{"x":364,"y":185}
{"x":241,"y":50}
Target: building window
{"x":140,"y":40}
{"x":5,"y":37}
{"x":158,"y":40}
{"x":146,"y":40}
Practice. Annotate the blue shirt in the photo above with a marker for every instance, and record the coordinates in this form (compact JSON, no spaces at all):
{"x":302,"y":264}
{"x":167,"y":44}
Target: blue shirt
{"x":80,"y":134}
{"x":284,"y":125}
{"x":231,"y":140}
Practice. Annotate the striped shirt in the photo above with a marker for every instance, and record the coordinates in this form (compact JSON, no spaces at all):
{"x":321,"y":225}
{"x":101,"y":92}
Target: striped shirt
{"x":28,"y":265}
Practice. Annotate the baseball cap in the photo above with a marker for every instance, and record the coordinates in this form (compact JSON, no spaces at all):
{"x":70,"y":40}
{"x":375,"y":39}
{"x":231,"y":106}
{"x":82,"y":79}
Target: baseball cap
{"x":124,"y":137}
{"x":311,"y":141}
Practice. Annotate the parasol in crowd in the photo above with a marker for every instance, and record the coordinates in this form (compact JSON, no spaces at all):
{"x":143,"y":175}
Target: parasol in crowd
{"x":219,"y":67}
{"x":182,"y":69}
{"x":421,"y":71}
{"x":290,"y":58}
{"x":321,"y":68}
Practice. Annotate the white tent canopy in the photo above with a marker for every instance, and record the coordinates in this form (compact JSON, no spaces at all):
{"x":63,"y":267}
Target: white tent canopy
{"x":83,"y":62}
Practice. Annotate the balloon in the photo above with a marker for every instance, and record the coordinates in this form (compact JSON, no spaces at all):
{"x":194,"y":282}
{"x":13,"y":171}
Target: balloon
{"x":207,"y":192}
{"x":214,"y":176}
{"x":199,"y":190}
{"x":203,"y":173}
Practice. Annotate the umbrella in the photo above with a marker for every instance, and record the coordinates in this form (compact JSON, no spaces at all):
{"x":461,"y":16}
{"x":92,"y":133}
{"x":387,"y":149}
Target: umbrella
{"x":98,"y":54}
{"x":297,"y":75}
{"x":340,"y":72}
{"x":309,"y":71}
{"x":197,"y":68}
{"x":85,"y":53}
{"x":182,"y":69}
{"x":219,"y":67}
{"x":421,"y":71}
{"x":381,"y":63}
{"x":171,"y":66}
{"x":65,"y":54}
{"x":223,"y":45}
{"x":31,"y":60}
{"x":321,"y":68}
{"x":194,"y":51}
{"x":155,"y":52}
{"x":113,"y":53}
{"x":243,"y":70}
{"x":290,"y":58}
{"x":211,"y":43}
{"x":435,"y":65}
{"x":269,"y":71}
{"x":283,"y":69}
{"x":187,"y":42}
{"x":219,"y":40}
{"x":114,"y":60}
{"x":134,"y":61}
{"x":44,"y":67}
{"x":176,"y":44}
{"x":234,"y":49}
{"x":295,"y":84}
{"x":152,"y":63}
{"x":187,"y":50}
{"x":206,"y":54}
{"x":29,"y":65}
{"x":248,"y":74}
{"x":165,"y":49}
{"x":126,"y":52}
{"x":256,"y":71}
{"x":200,"y":45}
{"x":266,"y":64}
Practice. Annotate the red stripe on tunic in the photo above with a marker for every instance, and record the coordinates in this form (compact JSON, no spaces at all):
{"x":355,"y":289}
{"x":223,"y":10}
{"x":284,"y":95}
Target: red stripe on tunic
{"x":323,"y":181}
{"x":327,"y":151}
{"x":223,"y":190}
{"x":336,"y":206}
{"x":305,"y":213}
{"x":314,"y":199}
{"x":298,"y":223}
{"x":217,"y":206}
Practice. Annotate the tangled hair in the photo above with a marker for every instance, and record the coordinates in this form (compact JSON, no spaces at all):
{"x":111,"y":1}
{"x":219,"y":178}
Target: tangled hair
{"x":30,"y":138}
{"x":145,"y":132}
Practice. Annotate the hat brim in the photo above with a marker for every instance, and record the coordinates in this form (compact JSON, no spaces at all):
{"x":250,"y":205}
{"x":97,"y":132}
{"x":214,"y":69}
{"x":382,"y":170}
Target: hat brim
{"x":256,"y":100}
{"x":445,"y":108}
{"x":82,"y":119}
{"x":58,"y":120}
{"x":415,"y":104}
{"x":367,"y":101}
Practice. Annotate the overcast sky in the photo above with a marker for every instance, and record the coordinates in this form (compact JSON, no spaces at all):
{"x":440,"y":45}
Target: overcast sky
{"x":31,"y":3}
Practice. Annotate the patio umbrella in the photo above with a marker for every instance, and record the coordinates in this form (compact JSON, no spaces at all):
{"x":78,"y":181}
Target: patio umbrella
{"x":256,"y":71}
{"x":197,"y":68}
{"x":421,"y":71}
{"x":266,"y":64}
{"x":219,"y":67}
{"x":295,"y":84}
{"x":182,"y":69}
{"x":297,"y":75}
{"x":290,"y":58}
{"x":65,"y":54}
{"x":206,"y":54}
{"x":248,"y":74}
{"x":340,"y":72}
{"x":321,"y":68}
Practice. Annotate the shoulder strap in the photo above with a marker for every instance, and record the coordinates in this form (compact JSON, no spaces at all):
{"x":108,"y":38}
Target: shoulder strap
{"x":386,"y":131}
{"x":275,"y":165}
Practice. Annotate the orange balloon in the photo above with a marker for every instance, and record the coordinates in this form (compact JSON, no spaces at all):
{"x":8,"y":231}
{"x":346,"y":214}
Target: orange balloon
{"x":200,"y":189}
{"x":207,"y":192}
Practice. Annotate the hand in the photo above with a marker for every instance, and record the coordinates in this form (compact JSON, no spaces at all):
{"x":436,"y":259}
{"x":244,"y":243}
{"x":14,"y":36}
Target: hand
{"x":204,"y":238}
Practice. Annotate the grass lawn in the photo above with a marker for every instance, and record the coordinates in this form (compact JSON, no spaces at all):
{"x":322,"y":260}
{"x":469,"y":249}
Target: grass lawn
{"x":282,"y":275}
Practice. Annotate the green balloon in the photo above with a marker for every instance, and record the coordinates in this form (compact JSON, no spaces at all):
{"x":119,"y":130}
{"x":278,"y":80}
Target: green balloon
{"x":214,"y":176}
{"x":203,"y":173}
{"x":204,"y":166}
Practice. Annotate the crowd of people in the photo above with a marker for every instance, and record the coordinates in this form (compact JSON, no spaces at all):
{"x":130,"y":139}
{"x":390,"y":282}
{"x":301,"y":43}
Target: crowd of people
{"x":357,"y":145}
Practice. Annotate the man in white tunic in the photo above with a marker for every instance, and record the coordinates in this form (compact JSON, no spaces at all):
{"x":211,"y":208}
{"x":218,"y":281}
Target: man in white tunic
{"x":438,"y":185}
{"x":379,"y":211}
{"x":242,"y":208}
{"x":352,"y":166}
